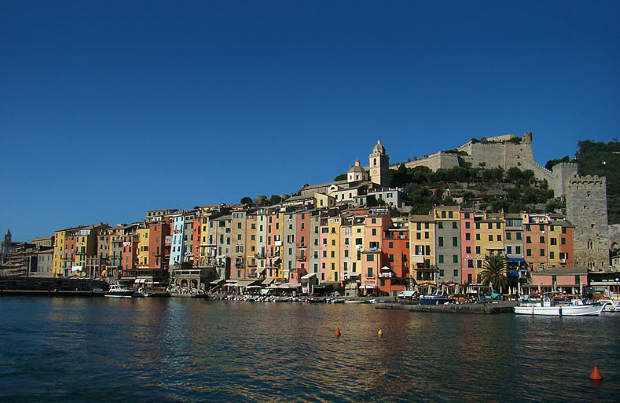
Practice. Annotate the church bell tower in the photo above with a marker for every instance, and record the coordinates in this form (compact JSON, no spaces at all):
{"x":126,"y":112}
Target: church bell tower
{"x":379,"y":164}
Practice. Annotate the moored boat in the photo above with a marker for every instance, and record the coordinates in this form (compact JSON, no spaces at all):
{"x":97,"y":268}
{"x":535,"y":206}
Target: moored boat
{"x":119,"y":291}
{"x":547,"y":307}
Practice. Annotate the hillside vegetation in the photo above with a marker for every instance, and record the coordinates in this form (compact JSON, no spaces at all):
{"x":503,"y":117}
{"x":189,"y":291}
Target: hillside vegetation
{"x":493,"y":190}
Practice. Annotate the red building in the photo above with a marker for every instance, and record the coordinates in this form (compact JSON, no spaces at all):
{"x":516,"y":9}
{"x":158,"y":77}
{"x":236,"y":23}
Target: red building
{"x":394,"y":273}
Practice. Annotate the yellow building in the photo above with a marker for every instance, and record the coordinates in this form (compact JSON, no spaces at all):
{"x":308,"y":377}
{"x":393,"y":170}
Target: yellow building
{"x":142,"y":253}
{"x":59,"y":253}
{"x":422,"y":248}
{"x":489,"y":238}
{"x":332,"y":269}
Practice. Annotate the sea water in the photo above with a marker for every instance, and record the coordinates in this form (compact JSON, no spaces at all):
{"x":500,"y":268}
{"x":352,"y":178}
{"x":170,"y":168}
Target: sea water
{"x":178,"y":349}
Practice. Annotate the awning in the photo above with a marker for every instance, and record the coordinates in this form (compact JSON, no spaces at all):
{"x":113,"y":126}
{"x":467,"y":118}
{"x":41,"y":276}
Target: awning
{"x":308,"y":276}
{"x":516,"y":259}
{"x":268,"y":281}
{"x":369,"y":286}
{"x":245,"y":283}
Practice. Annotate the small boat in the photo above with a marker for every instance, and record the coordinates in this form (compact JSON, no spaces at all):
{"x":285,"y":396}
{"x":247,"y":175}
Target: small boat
{"x":612,"y":305}
{"x":548,"y":307}
{"x":435,"y":299}
{"x":119,"y":291}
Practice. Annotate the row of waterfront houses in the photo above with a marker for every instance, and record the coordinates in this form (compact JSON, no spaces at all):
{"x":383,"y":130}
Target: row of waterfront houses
{"x":366,"y":249}
{"x":353,"y":233}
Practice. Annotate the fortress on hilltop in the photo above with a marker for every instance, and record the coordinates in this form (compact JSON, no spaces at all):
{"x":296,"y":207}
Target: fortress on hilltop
{"x":586,"y":196}
{"x":505,"y":152}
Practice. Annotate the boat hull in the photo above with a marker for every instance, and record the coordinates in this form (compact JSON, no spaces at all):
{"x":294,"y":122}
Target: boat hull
{"x":568,"y":310}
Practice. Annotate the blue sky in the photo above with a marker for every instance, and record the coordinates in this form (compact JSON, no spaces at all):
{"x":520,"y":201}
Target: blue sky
{"x":112,"y":108}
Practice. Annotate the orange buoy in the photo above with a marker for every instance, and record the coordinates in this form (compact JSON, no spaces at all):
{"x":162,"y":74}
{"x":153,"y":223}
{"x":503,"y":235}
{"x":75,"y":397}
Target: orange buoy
{"x":337,"y":334}
{"x":596,"y":375}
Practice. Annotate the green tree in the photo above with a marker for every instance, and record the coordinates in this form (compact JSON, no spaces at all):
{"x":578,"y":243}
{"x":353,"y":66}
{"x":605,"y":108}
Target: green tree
{"x":247,"y":200}
{"x":274,"y":199}
{"x":494,"y":272}
{"x":341,"y":177}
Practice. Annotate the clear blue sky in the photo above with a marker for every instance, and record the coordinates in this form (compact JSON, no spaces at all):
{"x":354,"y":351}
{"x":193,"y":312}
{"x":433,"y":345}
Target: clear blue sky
{"x":112,"y":108}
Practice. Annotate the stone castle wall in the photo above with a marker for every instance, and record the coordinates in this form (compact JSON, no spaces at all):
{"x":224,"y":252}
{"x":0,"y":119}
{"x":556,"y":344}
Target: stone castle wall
{"x":501,"y":151}
{"x":440,"y":160}
{"x":586,"y":209}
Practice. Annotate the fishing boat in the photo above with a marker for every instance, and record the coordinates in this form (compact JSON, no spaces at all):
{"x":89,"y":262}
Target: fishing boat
{"x":549,"y":307}
{"x":119,"y":291}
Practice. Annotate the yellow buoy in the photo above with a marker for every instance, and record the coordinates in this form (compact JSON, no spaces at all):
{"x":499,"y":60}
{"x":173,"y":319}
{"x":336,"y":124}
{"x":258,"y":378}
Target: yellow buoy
{"x":380,"y":333}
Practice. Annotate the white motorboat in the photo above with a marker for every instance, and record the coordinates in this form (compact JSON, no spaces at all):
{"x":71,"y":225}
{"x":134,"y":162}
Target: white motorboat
{"x":548,"y":307}
{"x":612,"y":305}
{"x":119,"y":291}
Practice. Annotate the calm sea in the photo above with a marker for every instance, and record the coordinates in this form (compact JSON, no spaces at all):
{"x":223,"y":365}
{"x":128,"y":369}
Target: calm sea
{"x":72,"y":349}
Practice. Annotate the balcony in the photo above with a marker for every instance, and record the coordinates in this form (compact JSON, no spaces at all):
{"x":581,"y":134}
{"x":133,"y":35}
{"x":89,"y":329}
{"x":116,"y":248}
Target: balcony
{"x":302,"y":257}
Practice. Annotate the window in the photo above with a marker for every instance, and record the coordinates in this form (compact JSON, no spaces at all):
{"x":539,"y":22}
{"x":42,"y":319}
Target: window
{"x":440,"y":257}
{"x":441,"y":273}
{"x":391,"y":245}
{"x":456,"y":273}
{"x":477,"y":237}
{"x":542,"y":252}
{"x":490,"y":225}
{"x":517,"y":250}
{"x":467,"y":224}
{"x":370,"y":257}
{"x":551,"y":255}
{"x":499,"y":238}
{"x":470,"y":264}
{"x":563,"y":241}
{"x":374,"y":231}
{"x":509,"y":250}
{"x":528,"y":252}
{"x":455,"y":241}
{"x":391,"y":258}
{"x":491,"y":238}
{"x":554,"y":241}
{"x":528,"y":239}
{"x":467,"y":236}
{"x":455,"y":258}
{"x":440,"y":225}
{"x":370,"y":272}
{"x":477,"y":250}
{"x":440,"y":241}
{"x":454,"y":225}
{"x":426,"y":235}
{"x":479,"y":264}
{"x":508,"y":236}
{"x":468,"y":249}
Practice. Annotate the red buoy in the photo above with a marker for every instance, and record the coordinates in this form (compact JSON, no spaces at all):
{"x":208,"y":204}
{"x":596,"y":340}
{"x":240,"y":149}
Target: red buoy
{"x":337,"y":334}
{"x":596,"y":375}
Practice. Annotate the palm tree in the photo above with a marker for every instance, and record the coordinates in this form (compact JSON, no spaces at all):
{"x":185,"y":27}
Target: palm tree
{"x":494,"y":272}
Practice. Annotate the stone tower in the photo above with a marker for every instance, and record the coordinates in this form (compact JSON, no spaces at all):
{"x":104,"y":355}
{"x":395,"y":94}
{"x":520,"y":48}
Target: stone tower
{"x":379,"y":165}
{"x":586,"y":208}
